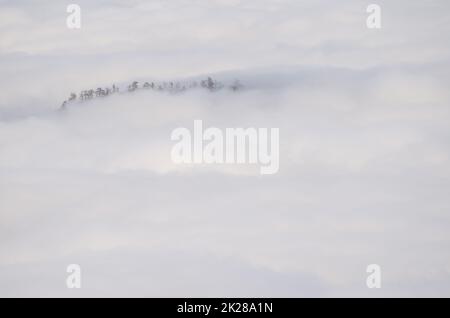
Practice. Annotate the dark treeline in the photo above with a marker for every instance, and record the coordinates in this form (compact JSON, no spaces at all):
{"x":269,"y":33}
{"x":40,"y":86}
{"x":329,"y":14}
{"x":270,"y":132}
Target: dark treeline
{"x":171,"y":86}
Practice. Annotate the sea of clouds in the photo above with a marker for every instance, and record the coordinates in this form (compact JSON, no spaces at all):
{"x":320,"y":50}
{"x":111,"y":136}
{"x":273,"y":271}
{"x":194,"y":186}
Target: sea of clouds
{"x":364,"y":149}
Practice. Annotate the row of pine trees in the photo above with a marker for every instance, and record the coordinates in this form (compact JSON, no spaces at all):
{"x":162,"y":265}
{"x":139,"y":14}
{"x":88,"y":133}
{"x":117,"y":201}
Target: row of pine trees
{"x":173,"y":87}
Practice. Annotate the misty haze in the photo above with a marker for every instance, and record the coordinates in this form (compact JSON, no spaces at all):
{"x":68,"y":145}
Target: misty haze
{"x":87,"y":178}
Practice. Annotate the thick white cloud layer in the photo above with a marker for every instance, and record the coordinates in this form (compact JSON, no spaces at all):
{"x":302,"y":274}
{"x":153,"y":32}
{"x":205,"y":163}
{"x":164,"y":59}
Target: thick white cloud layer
{"x":364,"y":149}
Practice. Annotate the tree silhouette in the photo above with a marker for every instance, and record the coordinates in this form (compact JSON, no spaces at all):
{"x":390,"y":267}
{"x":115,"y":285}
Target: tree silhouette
{"x":173,"y":86}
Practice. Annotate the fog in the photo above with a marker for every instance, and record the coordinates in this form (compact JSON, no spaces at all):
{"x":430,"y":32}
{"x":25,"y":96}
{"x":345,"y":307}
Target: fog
{"x":364,"y":150}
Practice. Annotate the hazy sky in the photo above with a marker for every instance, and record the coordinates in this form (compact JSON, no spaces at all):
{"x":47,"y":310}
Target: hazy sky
{"x":364,"y":149}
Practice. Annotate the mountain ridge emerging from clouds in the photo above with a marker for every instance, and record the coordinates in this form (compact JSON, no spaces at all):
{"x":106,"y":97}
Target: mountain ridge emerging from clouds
{"x":173,"y":87}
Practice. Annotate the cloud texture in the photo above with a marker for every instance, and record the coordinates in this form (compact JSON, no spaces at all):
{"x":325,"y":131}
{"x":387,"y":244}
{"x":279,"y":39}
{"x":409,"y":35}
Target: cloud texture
{"x":364,"y":150}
